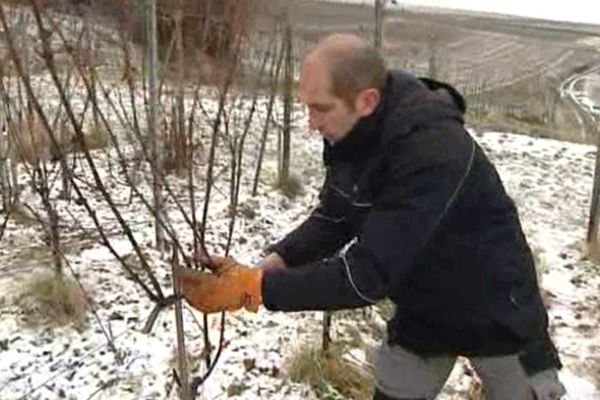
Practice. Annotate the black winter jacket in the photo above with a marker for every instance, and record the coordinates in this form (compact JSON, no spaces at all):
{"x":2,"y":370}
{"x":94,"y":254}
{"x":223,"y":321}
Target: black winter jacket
{"x":431,"y":227}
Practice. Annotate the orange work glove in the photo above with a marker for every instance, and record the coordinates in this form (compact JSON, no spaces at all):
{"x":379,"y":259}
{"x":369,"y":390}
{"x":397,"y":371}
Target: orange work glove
{"x":231,"y":287}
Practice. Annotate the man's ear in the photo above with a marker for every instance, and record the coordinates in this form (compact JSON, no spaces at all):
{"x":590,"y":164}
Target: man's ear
{"x":366,"y":102}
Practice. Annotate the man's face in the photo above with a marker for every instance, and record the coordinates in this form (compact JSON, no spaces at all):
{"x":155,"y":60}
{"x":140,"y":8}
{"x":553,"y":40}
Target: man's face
{"x":329,"y":115}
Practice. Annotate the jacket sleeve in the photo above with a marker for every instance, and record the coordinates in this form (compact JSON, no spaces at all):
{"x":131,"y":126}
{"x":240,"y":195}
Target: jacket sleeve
{"x":322,"y":234}
{"x":423,"y":179}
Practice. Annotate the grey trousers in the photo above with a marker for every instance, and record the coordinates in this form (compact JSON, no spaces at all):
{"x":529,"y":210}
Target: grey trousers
{"x":401,"y":374}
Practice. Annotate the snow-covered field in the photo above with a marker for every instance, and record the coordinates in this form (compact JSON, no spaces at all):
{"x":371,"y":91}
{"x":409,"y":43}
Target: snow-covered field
{"x":551,"y":182}
{"x":580,"y":11}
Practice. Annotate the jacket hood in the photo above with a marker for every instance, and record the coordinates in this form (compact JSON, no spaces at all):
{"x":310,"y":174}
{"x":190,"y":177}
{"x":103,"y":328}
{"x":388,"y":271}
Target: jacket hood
{"x":406,"y":103}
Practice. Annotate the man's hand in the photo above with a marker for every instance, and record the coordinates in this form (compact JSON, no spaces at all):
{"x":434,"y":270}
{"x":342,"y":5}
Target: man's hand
{"x":272,"y":261}
{"x":230,"y":287}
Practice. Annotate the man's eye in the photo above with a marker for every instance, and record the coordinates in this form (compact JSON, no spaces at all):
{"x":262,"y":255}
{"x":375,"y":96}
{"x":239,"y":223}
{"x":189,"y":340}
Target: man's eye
{"x":321,"y":109}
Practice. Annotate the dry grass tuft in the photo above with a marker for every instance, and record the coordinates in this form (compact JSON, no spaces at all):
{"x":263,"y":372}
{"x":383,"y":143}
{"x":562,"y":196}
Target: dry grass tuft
{"x":29,"y":140}
{"x":475,"y":391}
{"x":291,"y":187}
{"x":31,"y":143}
{"x":193,"y":361}
{"x":329,"y":374}
{"x":96,"y":137}
{"x":594,"y":370}
{"x":386,"y":309}
{"x":54,"y":300}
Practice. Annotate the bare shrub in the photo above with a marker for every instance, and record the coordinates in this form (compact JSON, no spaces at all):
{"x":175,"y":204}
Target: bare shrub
{"x":208,"y":25}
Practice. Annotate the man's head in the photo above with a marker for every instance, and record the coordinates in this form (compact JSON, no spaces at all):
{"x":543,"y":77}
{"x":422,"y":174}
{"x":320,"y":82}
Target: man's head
{"x":340,"y":82}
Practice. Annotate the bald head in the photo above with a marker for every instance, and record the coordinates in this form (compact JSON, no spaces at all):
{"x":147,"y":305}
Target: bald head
{"x":351,"y":62}
{"x":339,"y":45}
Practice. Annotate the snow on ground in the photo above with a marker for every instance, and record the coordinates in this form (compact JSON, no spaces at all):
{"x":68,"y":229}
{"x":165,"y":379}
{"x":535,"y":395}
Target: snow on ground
{"x":550,"y":181}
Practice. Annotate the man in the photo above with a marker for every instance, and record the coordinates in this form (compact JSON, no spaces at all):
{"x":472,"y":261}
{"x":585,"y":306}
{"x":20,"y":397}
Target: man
{"x":430,"y":227}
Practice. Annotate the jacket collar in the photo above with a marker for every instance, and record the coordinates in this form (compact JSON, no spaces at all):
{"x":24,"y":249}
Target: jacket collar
{"x":406,"y":102}
{"x":364,"y":136}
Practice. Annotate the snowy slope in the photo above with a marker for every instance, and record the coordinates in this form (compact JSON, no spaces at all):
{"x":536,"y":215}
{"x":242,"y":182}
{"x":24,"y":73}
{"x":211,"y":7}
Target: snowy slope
{"x":579,"y":11}
{"x":550,"y":180}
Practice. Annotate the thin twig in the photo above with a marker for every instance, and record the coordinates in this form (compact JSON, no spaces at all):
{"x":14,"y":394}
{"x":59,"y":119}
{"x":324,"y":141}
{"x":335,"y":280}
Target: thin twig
{"x":49,"y":59}
{"x":35,"y":103}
